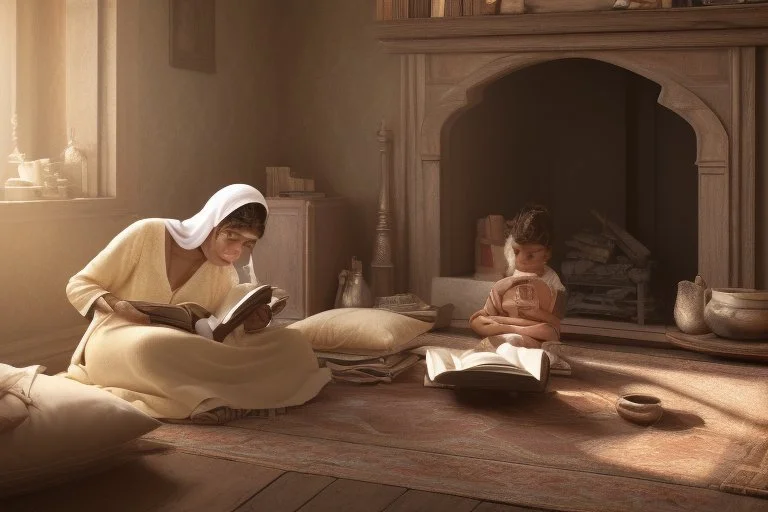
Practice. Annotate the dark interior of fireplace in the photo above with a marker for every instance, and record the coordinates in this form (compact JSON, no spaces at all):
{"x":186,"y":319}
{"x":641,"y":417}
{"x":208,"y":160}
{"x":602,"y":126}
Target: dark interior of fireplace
{"x":576,"y":135}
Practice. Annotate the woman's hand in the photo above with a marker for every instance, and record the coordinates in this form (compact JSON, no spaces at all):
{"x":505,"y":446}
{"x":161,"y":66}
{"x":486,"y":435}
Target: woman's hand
{"x":127,"y":311}
{"x":109,"y":304}
{"x":259,"y":319}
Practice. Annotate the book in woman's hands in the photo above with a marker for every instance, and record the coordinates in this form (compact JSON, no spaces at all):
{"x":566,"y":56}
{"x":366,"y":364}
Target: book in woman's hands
{"x":239,"y":304}
{"x":509,"y":368}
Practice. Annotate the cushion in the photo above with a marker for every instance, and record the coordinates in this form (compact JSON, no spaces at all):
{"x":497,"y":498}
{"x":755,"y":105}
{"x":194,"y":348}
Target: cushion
{"x":361,"y":331}
{"x":13,"y":403}
{"x":70,"y":427}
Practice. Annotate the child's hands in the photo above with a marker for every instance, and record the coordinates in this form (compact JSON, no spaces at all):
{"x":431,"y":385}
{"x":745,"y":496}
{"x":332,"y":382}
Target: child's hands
{"x":533,"y":313}
{"x":541,"y":315}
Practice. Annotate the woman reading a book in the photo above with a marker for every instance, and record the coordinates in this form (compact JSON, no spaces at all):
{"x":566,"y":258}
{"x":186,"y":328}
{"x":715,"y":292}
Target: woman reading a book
{"x":168,"y":372}
{"x":530,"y":301}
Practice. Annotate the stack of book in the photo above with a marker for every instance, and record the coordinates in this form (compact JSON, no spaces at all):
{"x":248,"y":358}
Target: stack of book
{"x":410,"y":305}
{"x":281,"y":182}
{"x":366,"y":369}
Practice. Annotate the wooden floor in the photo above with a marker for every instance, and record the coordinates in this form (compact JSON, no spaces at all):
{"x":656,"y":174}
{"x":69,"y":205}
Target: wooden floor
{"x":176,"y":481}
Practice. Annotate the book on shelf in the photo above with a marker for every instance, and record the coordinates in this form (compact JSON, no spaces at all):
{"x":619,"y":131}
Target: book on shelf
{"x":437,"y":9}
{"x":452,"y":8}
{"x":509,"y":368}
{"x":384,"y":10}
{"x":419,"y":8}
{"x":239,"y":304}
{"x":400,"y":9}
{"x":283,"y":179}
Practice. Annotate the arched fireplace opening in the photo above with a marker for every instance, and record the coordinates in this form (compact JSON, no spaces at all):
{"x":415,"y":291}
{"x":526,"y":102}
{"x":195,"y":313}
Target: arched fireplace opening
{"x":576,"y":135}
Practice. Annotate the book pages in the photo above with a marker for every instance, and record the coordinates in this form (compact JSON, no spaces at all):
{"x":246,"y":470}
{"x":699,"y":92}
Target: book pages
{"x":527,"y":358}
{"x":507,"y":360}
{"x":238,"y":296}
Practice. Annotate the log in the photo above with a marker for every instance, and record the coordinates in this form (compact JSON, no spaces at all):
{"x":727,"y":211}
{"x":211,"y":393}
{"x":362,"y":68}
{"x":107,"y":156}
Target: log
{"x":590,"y":252}
{"x":629,"y":245}
{"x":599,"y":240}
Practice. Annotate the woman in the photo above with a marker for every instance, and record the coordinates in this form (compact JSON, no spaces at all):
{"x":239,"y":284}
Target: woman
{"x":167,"y":372}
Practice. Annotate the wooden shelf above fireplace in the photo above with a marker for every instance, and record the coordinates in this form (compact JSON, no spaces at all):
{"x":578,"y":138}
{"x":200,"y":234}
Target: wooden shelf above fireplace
{"x":734,"y":25}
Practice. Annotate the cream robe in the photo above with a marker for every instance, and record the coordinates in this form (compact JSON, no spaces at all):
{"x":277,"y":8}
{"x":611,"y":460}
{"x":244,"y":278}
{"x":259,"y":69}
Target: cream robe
{"x":170,"y":373}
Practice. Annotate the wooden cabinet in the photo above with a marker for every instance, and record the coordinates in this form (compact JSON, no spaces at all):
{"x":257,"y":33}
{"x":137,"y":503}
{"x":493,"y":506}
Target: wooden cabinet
{"x":305,"y":246}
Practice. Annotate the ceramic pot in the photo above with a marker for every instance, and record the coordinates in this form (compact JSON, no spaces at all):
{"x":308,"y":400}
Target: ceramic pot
{"x":640,"y":409}
{"x":689,"y":306}
{"x":31,"y":171}
{"x":737,"y":313}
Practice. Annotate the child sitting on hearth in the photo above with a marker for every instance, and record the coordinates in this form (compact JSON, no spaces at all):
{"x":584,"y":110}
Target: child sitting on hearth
{"x":530,"y":301}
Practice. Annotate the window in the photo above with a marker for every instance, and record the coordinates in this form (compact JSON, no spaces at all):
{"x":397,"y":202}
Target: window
{"x":50,"y":96}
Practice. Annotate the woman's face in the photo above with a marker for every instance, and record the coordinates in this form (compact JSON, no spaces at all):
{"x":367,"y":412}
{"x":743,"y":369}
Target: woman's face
{"x":531,"y":257}
{"x":225,"y":245}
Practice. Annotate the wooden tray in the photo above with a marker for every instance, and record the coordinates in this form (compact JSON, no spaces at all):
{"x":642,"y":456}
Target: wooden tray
{"x":756,"y":350}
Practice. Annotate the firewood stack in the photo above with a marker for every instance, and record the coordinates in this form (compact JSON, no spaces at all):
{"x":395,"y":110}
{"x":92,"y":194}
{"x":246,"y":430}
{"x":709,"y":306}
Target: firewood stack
{"x":607,"y":274}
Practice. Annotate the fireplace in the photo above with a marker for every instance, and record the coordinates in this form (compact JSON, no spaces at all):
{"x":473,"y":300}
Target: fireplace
{"x":577,"y":136}
{"x":699,"y":66}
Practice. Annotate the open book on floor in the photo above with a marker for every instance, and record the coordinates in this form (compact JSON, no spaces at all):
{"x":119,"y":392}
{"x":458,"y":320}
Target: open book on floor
{"x":239,"y":304}
{"x":510,"y":368}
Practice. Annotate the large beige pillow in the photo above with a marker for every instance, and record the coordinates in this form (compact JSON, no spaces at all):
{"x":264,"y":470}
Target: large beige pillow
{"x":361,"y":331}
{"x":14,"y":405}
{"x":70,"y":427}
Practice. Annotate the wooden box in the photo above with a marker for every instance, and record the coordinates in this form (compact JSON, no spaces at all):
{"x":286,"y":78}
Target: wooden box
{"x":305,"y":246}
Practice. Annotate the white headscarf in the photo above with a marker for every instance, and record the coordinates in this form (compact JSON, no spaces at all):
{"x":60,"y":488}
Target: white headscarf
{"x":192,"y":232}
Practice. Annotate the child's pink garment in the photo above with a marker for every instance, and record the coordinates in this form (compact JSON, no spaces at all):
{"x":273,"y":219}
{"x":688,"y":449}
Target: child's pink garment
{"x":502,"y":306}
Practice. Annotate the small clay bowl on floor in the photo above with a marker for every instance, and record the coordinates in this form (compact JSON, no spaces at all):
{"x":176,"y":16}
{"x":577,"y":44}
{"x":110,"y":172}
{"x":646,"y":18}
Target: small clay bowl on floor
{"x":641,"y":409}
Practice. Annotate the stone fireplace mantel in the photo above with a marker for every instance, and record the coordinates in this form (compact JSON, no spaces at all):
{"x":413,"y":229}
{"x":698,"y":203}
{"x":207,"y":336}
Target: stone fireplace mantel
{"x":704,"y":59}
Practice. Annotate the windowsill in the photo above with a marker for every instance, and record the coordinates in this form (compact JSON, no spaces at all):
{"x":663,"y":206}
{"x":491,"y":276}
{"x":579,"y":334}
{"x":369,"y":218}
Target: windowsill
{"x":51,"y":210}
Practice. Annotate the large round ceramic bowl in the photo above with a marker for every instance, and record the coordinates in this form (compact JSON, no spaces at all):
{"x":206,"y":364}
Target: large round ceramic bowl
{"x":738,"y":313}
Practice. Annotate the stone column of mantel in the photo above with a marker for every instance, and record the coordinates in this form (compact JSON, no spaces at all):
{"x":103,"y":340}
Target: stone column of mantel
{"x":382,"y":269}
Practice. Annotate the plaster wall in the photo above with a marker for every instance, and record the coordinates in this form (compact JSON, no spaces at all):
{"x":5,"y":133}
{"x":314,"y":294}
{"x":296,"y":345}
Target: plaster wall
{"x":195,"y":132}
{"x":340,"y":85}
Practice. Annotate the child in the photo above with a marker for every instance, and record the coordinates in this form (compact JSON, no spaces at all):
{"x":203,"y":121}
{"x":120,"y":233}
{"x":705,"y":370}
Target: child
{"x":531,"y":301}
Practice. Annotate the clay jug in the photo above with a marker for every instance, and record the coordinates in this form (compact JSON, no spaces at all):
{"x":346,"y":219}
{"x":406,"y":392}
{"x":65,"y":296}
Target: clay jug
{"x":356,"y":293}
{"x":689,"y":306}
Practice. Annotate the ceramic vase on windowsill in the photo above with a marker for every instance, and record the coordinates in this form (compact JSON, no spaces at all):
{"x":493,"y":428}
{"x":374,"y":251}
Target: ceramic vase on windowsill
{"x":75,"y":166}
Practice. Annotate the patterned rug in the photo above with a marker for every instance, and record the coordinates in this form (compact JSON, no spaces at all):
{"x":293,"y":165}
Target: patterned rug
{"x":566,"y":449}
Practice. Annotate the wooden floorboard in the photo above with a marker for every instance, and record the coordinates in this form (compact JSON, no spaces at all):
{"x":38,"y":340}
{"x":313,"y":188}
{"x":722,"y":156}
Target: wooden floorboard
{"x":353,"y":496}
{"x":287,"y":494}
{"x":168,"y":482}
{"x":180,"y":482}
{"x":500,"y":507}
{"x":422,"y":501}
